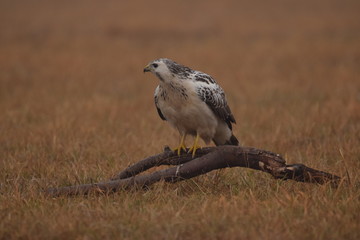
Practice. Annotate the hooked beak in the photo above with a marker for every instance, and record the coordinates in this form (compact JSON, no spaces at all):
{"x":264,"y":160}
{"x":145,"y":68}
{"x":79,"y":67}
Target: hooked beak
{"x":147,"y":69}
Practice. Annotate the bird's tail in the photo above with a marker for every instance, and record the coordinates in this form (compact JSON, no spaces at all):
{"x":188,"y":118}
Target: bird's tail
{"x":231,"y":141}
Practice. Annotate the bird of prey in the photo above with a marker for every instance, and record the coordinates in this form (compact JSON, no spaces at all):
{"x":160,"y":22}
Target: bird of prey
{"x":193,"y":103}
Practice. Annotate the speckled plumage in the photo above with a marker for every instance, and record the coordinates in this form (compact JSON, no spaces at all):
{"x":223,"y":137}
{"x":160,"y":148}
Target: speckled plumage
{"x":192,"y":102}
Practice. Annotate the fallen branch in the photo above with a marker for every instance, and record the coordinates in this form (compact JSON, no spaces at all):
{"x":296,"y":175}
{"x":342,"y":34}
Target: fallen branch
{"x":206,"y":160}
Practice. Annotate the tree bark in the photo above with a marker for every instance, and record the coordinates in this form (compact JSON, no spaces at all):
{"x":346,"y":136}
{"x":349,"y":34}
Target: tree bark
{"x":206,"y":160}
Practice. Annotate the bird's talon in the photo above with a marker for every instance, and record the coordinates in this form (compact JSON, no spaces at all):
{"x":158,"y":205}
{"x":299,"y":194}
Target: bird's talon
{"x":195,"y":146}
{"x":193,"y":149}
{"x":179,"y":148}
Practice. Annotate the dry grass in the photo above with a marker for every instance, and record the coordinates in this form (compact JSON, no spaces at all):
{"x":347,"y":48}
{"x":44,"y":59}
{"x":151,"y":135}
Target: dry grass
{"x":75,"y":108}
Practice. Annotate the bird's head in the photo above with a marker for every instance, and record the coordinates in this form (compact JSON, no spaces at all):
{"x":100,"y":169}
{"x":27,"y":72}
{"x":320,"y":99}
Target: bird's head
{"x":166,"y":70}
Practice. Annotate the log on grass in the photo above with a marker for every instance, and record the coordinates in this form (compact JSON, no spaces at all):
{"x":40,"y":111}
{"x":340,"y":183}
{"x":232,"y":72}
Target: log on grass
{"x":205,"y":160}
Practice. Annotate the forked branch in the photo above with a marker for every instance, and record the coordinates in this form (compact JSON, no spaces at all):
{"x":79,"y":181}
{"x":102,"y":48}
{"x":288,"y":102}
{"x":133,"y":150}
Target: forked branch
{"x":206,"y":160}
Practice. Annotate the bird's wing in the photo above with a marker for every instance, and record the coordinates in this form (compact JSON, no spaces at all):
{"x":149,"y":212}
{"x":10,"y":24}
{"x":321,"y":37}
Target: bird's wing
{"x":156,"y":98}
{"x":213,"y":95}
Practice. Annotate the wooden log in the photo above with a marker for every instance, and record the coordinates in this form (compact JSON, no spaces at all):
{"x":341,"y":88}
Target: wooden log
{"x":206,"y":160}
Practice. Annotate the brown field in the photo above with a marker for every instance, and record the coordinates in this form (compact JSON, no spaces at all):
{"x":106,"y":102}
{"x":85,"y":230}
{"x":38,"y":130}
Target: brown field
{"x":76,"y":108}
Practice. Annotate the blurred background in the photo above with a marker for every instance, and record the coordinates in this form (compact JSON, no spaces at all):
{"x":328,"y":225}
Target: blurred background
{"x":75,"y":107}
{"x":71,"y":72}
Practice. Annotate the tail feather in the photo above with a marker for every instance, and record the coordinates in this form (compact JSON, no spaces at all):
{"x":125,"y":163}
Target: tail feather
{"x":232,"y":141}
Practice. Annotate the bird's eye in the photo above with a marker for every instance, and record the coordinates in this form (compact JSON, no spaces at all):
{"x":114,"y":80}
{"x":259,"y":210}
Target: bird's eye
{"x":155,"y":65}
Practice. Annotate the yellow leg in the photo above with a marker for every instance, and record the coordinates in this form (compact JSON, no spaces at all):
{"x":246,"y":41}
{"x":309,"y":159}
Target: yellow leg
{"x":195,"y":146}
{"x":181,"y":146}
